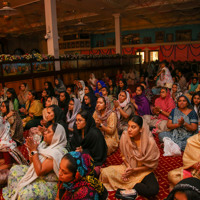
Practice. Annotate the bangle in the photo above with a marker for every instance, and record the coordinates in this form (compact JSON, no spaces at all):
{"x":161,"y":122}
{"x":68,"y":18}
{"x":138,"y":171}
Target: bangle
{"x":161,"y":110}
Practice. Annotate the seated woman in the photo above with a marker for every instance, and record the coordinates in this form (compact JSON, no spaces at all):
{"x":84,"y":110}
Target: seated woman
{"x":105,"y":93}
{"x":37,"y":130}
{"x":9,"y":152}
{"x":187,"y":189}
{"x":73,"y":108}
{"x":45,"y":95}
{"x":99,"y":86}
{"x":63,"y":101}
{"x":195,"y":101}
{"x":48,"y":86}
{"x":124,"y":109}
{"x":148,"y":93}
{"x":122,"y":86}
{"x":176,"y":92}
{"x":182,"y":123}
{"x":23,"y":94}
{"x":89,"y":139}
{"x":12,"y":96}
{"x":59,"y":86}
{"x":89,"y":103}
{"x":193,"y":87}
{"x":140,"y":102}
{"x":106,"y":121}
{"x":112,"y":88}
{"x":162,"y":108}
{"x":88,"y":90}
{"x":33,"y":111}
{"x":76,"y":179}
{"x":81,"y":90}
{"x":163,"y":78}
{"x":92,"y":81}
{"x":16,"y":126}
{"x":140,"y":154}
{"x":38,"y":181}
{"x":191,"y":162}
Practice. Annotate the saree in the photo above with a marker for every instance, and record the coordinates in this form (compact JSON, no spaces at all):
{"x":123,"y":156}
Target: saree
{"x":190,"y":157}
{"x":181,"y":134}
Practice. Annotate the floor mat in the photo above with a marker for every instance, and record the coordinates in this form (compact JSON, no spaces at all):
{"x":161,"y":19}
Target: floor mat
{"x":165,"y":165}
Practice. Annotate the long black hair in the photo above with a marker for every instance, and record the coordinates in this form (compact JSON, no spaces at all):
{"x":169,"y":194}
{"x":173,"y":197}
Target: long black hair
{"x":14,"y":95}
{"x":6,"y":102}
{"x":192,"y":102}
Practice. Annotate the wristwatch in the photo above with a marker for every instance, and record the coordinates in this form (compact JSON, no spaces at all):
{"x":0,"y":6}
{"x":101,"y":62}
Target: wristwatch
{"x":100,"y":125}
{"x":33,"y":153}
{"x":160,"y":110}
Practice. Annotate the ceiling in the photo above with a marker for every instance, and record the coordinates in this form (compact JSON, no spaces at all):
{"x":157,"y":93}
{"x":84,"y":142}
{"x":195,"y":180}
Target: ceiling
{"x":98,"y":15}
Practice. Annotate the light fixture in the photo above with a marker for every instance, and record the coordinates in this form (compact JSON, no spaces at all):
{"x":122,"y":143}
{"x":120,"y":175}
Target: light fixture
{"x":7,"y":10}
{"x":80,"y":23}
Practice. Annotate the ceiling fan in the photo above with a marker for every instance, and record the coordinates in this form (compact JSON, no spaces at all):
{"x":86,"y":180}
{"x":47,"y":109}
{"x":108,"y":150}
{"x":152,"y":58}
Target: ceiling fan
{"x":7,"y":10}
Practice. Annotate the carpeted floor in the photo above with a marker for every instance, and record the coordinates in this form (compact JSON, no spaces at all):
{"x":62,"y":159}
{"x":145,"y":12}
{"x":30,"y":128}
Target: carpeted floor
{"x":165,"y":165}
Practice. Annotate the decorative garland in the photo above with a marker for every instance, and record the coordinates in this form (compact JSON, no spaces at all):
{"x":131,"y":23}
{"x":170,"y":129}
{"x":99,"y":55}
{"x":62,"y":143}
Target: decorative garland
{"x":25,"y":57}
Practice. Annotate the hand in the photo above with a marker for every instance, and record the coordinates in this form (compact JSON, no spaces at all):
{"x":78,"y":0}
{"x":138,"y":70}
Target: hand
{"x":31,"y":115}
{"x":133,"y":101}
{"x":181,"y":121}
{"x":155,"y":78}
{"x":79,"y":149}
{"x":31,"y":144}
{"x":42,"y":129}
{"x":11,"y":113}
{"x":23,"y":110}
{"x":98,"y":122}
{"x":116,"y":104}
{"x":43,"y":122}
{"x":127,"y":173}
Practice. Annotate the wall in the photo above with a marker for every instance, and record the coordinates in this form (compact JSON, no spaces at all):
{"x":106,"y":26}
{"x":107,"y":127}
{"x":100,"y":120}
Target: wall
{"x":148,"y":33}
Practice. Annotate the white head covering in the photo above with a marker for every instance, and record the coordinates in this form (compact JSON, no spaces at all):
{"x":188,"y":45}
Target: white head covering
{"x":77,"y":107}
{"x":55,"y":151}
{"x":81,"y":93}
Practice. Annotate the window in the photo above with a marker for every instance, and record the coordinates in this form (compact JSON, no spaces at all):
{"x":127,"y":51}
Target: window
{"x":153,"y":55}
{"x":142,"y":54}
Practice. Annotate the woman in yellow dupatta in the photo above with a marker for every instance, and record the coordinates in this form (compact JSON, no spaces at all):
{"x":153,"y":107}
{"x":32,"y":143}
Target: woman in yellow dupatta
{"x":140,"y":154}
{"x":33,"y":111}
{"x":191,"y":162}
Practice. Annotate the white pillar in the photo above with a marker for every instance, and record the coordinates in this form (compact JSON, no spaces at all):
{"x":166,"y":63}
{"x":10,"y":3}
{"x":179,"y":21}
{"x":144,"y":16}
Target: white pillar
{"x":52,"y":30}
{"x":118,"y":33}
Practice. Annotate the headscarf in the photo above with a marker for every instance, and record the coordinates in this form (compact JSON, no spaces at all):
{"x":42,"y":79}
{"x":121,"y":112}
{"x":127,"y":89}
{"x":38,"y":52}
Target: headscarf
{"x":188,"y":101}
{"x":178,"y":92}
{"x":93,"y":142}
{"x":81,"y":92}
{"x":54,"y":151}
{"x":192,"y":184}
{"x":59,"y":117}
{"x":123,"y":104}
{"x":60,"y":87}
{"x":97,"y":90}
{"x":24,"y":94}
{"x":92,"y":102}
{"x":166,"y":104}
{"x":50,"y":88}
{"x":143,"y":104}
{"x":192,"y":86}
{"x":84,"y":177}
{"x":149,"y":154}
{"x":64,"y":104}
{"x":108,"y":111}
{"x":93,"y":80}
{"x":71,"y":119}
{"x":9,"y":145}
{"x":54,"y":101}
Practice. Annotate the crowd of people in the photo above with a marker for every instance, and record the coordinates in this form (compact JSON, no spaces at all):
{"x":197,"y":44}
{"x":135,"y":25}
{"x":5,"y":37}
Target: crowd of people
{"x":74,"y":128}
